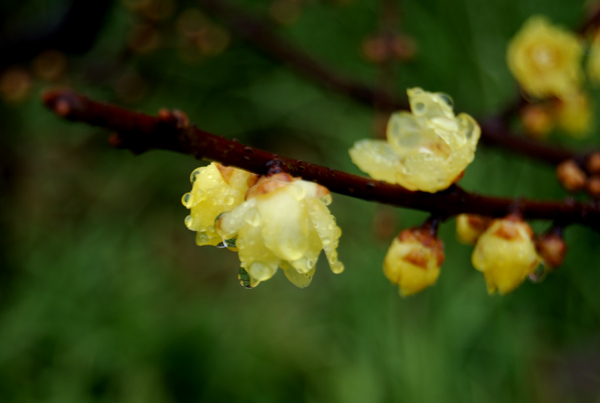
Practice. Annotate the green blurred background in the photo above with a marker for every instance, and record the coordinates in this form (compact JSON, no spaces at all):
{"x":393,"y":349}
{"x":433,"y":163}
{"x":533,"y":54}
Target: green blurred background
{"x":105,"y":297}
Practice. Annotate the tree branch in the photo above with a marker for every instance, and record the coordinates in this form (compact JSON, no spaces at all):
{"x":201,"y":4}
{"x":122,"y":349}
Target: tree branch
{"x":169,"y":131}
{"x":259,"y":34}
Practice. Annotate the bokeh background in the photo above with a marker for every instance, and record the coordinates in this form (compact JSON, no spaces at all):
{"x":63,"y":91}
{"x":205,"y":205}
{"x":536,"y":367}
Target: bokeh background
{"x":104,"y":297}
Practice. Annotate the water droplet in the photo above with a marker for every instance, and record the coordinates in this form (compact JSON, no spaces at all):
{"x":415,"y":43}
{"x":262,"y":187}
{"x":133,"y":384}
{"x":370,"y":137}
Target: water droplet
{"x":244,"y":278}
{"x":326,"y":200}
{"x":446,"y":98}
{"x":260,"y":271}
{"x":419,"y":108}
{"x":229,"y":200}
{"x":310,"y":263}
{"x":539,"y":274}
{"x":188,"y":221}
{"x":185,"y":200}
{"x":337,"y":267}
{"x":326,"y":241}
{"x":194,"y":175}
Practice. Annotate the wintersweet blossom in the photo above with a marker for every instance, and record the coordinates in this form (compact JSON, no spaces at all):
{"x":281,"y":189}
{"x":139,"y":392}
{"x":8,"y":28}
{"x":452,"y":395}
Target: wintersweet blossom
{"x":413,"y":260}
{"x":545,"y":59}
{"x":426,"y":150}
{"x":285,"y":223}
{"x":216,"y":189}
{"x":506,"y":254}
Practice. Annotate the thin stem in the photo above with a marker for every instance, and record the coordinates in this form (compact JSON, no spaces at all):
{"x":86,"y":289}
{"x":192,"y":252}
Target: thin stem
{"x":169,"y":131}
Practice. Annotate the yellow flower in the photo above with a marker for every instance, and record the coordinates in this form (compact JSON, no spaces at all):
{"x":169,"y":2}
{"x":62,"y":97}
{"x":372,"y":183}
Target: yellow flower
{"x":469,"y":227}
{"x":574,"y":114}
{"x":593,"y":62}
{"x":544,"y":59}
{"x":426,"y":150}
{"x":413,"y":260}
{"x":216,"y":189}
{"x":506,"y":254}
{"x":285,"y":223}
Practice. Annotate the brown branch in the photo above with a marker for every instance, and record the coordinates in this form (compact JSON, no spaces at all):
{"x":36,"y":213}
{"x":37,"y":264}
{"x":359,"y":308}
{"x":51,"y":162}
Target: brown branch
{"x":169,"y":131}
{"x":260,"y":35}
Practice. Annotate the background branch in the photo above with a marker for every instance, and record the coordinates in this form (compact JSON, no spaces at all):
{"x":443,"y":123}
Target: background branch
{"x":169,"y":131}
{"x":260,"y":35}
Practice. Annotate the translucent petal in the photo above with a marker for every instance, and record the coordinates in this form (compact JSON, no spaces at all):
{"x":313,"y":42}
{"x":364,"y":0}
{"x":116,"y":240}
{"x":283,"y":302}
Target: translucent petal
{"x":300,"y":280}
{"x":231,"y":222}
{"x":376,"y":158}
{"x":329,"y":232}
{"x":256,"y":258}
{"x":284,"y":224}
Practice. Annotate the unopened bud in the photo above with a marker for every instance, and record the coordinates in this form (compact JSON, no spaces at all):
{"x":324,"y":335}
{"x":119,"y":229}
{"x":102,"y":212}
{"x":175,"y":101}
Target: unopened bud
{"x":570,"y":176}
{"x":592,"y":163}
{"x":413,"y":260}
{"x":592,"y":186}
{"x":505,"y":254}
{"x":537,"y":119}
{"x":552,"y":248}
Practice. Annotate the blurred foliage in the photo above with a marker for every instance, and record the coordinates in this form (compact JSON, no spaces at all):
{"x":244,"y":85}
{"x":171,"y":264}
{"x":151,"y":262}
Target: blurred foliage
{"x":105,"y":297}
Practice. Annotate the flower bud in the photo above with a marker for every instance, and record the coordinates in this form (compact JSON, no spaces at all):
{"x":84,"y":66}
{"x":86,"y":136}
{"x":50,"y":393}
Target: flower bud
{"x":470,"y":226}
{"x":506,"y":254}
{"x":570,"y":176}
{"x":592,"y":163}
{"x":537,"y":119}
{"x":552,"y":248}
{"x":413,"y":260}
{"x":592,"y":186}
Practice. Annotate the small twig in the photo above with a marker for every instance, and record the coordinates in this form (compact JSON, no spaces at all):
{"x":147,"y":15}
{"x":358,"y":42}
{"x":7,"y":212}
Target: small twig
{"x":139,"y":133}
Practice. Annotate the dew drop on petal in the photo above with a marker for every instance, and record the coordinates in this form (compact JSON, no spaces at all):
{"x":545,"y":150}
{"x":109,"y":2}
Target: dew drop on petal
{"x":189,"y":221}
{"x":337,"y":267}
{"x":539,"y":274}
{"x":185,"y":200}
{"x":194,"y":175}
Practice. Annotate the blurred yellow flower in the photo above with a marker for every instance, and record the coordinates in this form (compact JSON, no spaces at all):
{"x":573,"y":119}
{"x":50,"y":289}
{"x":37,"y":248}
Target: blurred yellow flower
{"x":506,"y":254}
{"x":426,"y":150}
{"x":285,"y":223}
{"x":216,"y":189}
{"x":545,"y":59}
{"x":593,"y":61}
{"x":574,"y":114}
{"x":413,"y":260}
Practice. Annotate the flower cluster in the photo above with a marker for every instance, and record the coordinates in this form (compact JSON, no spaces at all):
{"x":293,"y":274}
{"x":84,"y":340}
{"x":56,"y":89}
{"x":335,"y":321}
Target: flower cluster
{"x":426,"y":150}
{"x":546,"y":61}
{"x":273,"y":222}
{"x":505,"y":252}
